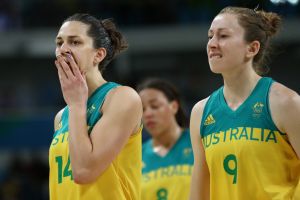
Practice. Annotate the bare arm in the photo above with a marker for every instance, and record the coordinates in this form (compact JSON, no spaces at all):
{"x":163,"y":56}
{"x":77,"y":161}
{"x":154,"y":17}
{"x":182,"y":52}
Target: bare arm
{"x":285,"y":110}
{"x":90,"y":156}
{"x":200,"y":176}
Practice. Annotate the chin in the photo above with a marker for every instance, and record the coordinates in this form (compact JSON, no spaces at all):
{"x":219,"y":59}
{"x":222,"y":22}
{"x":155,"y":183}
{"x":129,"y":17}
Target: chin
{"x":154,"y":133}
{"x":216,"y":69}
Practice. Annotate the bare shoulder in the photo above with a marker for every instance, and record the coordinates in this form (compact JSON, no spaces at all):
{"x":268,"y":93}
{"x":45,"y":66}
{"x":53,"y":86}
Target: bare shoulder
{"x":127,"y":92}
{"x":283,"y":97}
{"x":284,"y":105}
{"x":123,"y":97}
{"x":199,"y":107}
{"x":57,"y":119}
{"x":119,"y":103}
{"x":196,"y":116}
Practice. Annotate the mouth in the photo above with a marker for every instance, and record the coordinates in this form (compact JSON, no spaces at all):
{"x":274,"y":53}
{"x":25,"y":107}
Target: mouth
{"x":66,"y":55}
{"x":150,"y":124}
{"x":215,"y":55}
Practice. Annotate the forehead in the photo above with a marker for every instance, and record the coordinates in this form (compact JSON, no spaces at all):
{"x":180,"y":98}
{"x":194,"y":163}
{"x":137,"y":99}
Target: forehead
{"x":226,"y":21}
{"x":73,"y":28}
{"x":151,"y":94}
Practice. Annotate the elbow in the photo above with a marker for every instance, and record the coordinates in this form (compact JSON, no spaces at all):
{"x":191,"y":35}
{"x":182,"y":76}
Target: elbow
{"x":88,"y":173}
{"x":84,"y":176}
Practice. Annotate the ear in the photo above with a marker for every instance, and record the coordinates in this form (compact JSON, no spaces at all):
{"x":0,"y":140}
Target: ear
{"x":252,"y":49}
{"x":174,"y":106}
{"x":100,"y":55}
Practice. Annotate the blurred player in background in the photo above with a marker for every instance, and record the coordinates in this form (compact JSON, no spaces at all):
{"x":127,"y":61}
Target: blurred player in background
{"x":245,"y":135}
{"x":96,"y":148}
{"x":167,"y":156}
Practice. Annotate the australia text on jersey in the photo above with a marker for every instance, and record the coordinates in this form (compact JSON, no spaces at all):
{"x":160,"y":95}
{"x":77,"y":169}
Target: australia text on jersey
{"x":241,"y":134}
{"x":166,"y":172}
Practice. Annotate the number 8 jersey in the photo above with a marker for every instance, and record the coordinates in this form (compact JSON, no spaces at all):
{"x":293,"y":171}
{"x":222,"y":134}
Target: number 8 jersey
{"x":168,"y":177}
{"x":247,"y":156}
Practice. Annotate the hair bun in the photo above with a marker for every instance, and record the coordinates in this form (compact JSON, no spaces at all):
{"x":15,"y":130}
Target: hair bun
{"x":118,"y":42}
{"x":272,"y":22}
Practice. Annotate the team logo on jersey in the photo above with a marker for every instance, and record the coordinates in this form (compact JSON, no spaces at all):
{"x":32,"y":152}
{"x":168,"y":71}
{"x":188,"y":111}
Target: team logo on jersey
{"x":91,"y":109}
{"x":209,"y":120}
{"x":187,"y":152}
{"x":257,"y":109}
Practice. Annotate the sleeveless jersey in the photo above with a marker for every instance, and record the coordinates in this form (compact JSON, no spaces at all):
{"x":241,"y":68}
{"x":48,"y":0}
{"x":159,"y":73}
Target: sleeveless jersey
{"x":120,"y":181}
{"x":168,"y":177}
{"x":247,"y":156}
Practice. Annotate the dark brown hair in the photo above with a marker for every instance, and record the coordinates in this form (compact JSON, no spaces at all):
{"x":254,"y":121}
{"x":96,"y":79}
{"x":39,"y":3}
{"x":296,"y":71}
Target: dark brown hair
{"x":258,"y":25}
{"x":171,"y":93}
{"x":104,"y":34}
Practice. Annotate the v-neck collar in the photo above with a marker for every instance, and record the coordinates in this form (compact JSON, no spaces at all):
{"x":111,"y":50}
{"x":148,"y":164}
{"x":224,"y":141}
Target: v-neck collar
{"x":171,"y":149}
{"x":96,"y":91}
{"x":240,"y":108}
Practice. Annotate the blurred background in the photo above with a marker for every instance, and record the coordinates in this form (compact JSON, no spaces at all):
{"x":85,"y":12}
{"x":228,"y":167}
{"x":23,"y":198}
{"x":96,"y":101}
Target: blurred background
{"x":167,"y":39}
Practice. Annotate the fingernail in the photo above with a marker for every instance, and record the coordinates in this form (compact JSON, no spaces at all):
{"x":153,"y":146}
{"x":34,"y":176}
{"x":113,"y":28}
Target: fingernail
{"x":69,"y":56}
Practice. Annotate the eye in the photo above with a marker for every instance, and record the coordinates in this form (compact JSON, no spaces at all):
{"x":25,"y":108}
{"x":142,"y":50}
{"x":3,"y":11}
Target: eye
{"x":223,"y":36}
{"x":210,"y":37}
{"x":154,"y":107}
{"x":59,"y":43}
{"x":75,"y":42}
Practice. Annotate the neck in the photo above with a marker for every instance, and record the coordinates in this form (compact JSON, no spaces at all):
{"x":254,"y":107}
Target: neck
{"x":239,"y":85}
{"x":94,"y":80}
{"x":168,"y":138}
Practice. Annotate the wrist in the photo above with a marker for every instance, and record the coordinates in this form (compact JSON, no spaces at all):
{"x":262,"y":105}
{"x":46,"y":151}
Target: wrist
{"x":78,"y":108}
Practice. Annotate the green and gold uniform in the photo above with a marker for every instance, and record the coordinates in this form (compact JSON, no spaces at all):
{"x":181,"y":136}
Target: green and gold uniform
{"x":168,"y":177}
{"x":121,"y":179}
{"x":247,"y":156}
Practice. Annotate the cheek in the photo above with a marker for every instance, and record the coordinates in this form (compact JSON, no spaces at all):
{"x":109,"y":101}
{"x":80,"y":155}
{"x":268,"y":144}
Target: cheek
{"x":79,"y":59}
{"x":167,"y":114}
{"x":207,"y":54}
{"x":161,"y":114}
{"x":237,"y":55}
{"x":57,"y":52}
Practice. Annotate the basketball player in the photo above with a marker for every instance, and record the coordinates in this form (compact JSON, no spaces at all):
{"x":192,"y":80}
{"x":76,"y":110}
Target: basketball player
{"x":245,"y":135}
{"x":96,"y":148}
{"x":167,"y":156}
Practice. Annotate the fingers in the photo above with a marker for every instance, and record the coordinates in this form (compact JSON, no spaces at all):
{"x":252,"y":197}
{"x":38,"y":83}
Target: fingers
{"x":74,"y":67}
{"x":68,"y":71}
{"x":61,"y":74}
{"x":65,"y":67}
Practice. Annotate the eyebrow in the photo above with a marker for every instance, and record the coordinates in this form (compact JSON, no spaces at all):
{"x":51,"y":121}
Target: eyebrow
{"x":69,"y":37}
{"x":219,"y":29}
{"x":153,"y":100}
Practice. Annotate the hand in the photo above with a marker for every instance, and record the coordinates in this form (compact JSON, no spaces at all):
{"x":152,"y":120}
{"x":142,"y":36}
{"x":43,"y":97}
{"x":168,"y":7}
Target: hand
{"x":72,"y":81}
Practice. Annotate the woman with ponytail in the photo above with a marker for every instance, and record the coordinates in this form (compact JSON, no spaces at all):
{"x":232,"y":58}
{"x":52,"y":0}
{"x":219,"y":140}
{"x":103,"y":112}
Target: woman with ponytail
{"x":167,"y":156}
{"x":96,"y":148}
{"x":245,"y":135}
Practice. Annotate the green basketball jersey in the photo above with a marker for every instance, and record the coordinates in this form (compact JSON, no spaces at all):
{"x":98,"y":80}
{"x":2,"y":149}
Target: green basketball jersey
{"x":168,"y":177}
{"x":247,"y":156}
{"x":121,"y":179}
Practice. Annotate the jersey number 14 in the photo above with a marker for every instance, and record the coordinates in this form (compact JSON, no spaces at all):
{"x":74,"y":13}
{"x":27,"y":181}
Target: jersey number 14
{"x":63,"y":171}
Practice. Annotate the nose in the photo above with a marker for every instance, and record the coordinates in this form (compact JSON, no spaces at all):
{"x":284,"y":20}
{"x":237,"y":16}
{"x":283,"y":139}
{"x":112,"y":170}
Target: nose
{"x":147,"y":113}
{"x":212,"y":43}
{"x":63,"y":49}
